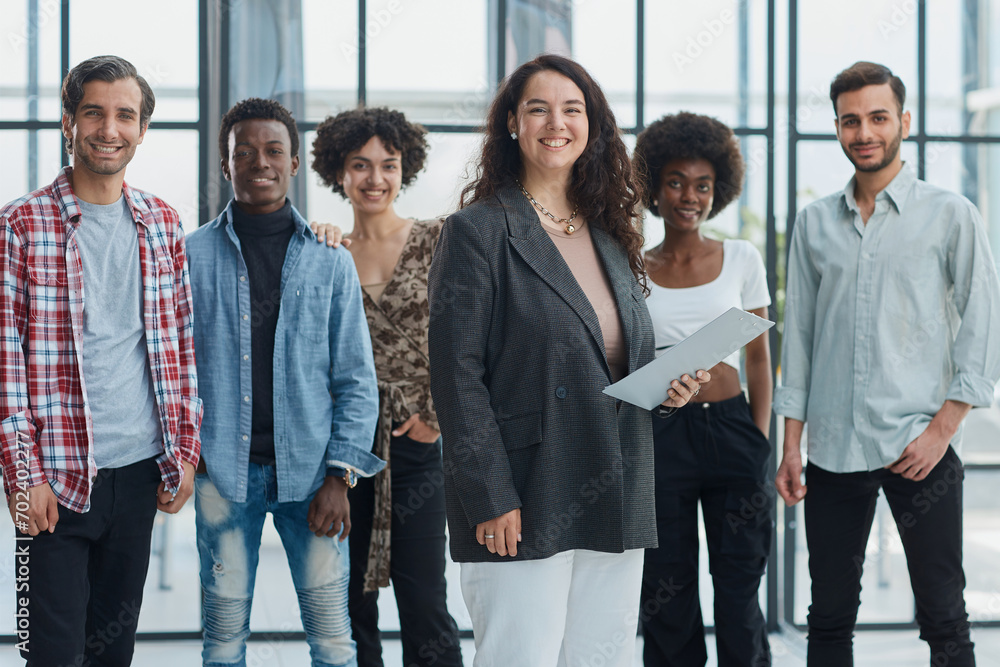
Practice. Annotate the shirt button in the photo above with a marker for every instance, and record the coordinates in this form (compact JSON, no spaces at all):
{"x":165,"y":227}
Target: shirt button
{"x":246,"y":399}
{"x":705,"y":405}
{"x":246,"y":317}
{"x":245,"y":437}
{"x":246,"y":357}
{"x":560,"y":392}
{"x":243,"y":279}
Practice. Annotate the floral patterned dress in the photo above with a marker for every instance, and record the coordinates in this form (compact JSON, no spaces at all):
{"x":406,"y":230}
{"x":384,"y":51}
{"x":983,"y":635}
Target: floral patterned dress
{"x":398,"y":324}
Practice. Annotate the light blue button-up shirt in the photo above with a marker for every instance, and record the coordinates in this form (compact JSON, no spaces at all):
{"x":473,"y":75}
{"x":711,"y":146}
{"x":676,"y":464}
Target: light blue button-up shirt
{"x":325,"y":392}
{"x":886,"y":321}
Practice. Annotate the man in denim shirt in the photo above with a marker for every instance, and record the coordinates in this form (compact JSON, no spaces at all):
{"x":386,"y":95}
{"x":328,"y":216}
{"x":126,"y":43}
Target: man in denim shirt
{"x":892,"y":333}
{"x":288,"y":380}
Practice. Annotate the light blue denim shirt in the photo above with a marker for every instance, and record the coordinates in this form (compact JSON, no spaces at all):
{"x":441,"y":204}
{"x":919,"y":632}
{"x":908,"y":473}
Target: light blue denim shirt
{"x":325,"y":392}
{"x":886,"y":321}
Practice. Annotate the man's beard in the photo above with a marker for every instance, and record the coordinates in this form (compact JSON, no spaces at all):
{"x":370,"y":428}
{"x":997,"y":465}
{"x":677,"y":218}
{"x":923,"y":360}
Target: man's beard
{"x":891,"y":151}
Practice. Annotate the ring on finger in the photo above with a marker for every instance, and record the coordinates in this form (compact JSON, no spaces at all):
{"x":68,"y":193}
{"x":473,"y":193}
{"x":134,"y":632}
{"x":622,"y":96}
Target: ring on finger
{"x":489,"y":537}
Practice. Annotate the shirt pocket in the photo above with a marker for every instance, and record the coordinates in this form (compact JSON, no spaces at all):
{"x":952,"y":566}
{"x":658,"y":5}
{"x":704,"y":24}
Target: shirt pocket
{"x":520,"y":436}
{"x":48,"y":294}
{"x":313,"y":312}
{"x":521,"y":431}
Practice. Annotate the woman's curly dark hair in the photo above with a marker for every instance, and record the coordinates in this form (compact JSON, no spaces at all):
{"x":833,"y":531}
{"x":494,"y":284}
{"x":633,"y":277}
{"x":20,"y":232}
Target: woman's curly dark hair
{"x":689,"y":136}
{"x":603,"y":186}
{"x":348,"y":131}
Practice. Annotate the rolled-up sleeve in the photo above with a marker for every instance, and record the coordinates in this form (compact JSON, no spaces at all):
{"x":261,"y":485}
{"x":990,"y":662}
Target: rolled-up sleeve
{"x":792,"y":395}
{"x":977,"y":298}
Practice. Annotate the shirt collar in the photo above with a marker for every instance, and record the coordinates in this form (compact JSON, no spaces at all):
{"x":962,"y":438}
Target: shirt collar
{"x":302,"y":227}
{"x":70,"y":207}
{"x":897,"y":191}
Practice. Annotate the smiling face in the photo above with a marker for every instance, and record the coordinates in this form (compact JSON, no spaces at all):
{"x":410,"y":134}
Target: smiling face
{"x":551,"y":124}
{"x":260,"y":164}
{"x":686,"y":193}
{"x":372,"y":176}
{"x":870,"y":127}
{"x":105,"y":129}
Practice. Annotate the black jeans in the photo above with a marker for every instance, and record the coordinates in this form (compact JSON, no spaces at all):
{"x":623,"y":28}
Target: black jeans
{"x":428,"y":632}
{"x":714,"y":454}
{"x":839,"y":508}
{"x":86,"y":578}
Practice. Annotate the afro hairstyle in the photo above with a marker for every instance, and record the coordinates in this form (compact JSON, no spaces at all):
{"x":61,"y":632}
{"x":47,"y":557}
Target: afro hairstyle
{"x":689,"y":136}
{"x":350,"y":130}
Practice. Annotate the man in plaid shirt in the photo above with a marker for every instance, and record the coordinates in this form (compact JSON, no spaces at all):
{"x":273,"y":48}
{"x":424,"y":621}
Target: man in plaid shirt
{"x":99,"y":402}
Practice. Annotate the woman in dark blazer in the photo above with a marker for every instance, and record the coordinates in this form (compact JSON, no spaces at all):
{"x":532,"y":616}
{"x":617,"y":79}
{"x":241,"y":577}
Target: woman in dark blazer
{"x":536,"y":306}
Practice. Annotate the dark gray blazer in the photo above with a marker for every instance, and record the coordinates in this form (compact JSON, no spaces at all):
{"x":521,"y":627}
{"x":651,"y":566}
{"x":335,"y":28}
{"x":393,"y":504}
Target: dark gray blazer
{"x":517,"y":372}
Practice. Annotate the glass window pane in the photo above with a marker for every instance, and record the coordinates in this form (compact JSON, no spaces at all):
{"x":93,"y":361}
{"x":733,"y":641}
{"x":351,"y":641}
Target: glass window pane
{"x":18,"y":150}
{"x":167,"y":57}
{"x":330,"y":63}
{"x":614,"y":69}
{"x":16,"y":56}
{"x":963,"y":67}
{"x":166,"y":165}
{"x":981,"y":546}
{"x":431,"y":65}
{"x":831,"y":38}
{"x":702,"y":60}
{"x":537,"y":26}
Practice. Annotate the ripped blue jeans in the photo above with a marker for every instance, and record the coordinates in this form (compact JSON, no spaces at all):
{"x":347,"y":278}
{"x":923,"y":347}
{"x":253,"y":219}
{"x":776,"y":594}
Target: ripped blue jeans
{"x":228,"y":545}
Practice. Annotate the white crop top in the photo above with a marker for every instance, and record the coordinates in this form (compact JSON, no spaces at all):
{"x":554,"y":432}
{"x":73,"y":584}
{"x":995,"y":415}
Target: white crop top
{"x":678,"y":313}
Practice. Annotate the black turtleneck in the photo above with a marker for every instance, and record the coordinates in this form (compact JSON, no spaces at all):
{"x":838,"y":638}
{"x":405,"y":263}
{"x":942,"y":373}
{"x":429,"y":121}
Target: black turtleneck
{"x":264,"y":241}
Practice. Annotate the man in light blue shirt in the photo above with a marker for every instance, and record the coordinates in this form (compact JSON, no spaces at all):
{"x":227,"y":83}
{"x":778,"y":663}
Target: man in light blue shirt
{"x":892,"y":334}
{"x":288,"y":379}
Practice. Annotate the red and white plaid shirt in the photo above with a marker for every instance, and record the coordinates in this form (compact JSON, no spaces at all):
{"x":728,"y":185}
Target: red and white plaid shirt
{"x":47,"y":432}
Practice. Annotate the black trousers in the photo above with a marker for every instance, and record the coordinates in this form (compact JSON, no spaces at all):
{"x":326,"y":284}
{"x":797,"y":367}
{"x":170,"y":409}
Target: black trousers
{"x":86,"y":578}
{"x":429,"y":633}
{"x":714,"y":454}
{"x":839,"y":509}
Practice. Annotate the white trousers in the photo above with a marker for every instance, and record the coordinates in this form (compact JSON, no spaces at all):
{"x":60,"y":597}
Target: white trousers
{"x":576,"y":609}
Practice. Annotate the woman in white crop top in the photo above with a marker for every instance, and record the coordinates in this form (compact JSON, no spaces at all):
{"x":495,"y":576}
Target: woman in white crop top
{"x":713,"y":452}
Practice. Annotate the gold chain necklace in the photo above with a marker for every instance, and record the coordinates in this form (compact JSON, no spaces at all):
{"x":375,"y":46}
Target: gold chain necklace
{"x":570,"y":227}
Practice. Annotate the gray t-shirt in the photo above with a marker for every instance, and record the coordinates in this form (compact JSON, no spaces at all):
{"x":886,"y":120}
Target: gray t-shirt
{"x":116,"y":371}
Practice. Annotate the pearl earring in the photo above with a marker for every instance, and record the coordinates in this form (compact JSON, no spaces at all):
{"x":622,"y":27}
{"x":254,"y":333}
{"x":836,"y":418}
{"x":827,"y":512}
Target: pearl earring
{"x":513,"y":135}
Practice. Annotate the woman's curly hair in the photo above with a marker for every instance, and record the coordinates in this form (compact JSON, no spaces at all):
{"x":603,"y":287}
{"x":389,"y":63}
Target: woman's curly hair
{"x":689,"y":136}
{"x":603,"y":186}
{"x":348,"y":131}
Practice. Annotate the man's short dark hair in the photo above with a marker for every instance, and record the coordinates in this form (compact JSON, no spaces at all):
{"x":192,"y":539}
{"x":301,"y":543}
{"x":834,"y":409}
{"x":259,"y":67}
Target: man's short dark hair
{"x":254,"y":108}
{"x":863,"y":73}
{"x":109,"y":69}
